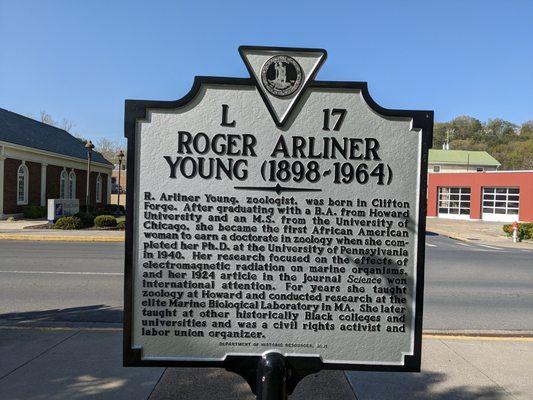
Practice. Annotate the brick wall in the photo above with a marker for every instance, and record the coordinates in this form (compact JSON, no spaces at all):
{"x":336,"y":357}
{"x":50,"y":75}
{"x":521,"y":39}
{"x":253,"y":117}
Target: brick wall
{"x":11,"y":167}
{"x":104,"y":188}
{"x":10,"y":185}
{"x":53,"y":175}
{"x":476,"y":181}
{"x":81,"y":189}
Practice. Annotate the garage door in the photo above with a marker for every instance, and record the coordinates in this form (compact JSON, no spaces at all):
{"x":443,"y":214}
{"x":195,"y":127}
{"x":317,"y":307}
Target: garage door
{"x":501,"y":204}
{"x":454,"y":202}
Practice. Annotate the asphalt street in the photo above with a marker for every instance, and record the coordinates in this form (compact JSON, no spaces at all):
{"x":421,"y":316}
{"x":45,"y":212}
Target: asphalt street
{"x":469,"y":286}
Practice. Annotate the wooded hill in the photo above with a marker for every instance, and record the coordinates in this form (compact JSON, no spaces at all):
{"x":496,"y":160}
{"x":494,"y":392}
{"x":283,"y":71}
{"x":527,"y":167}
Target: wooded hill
{"x":510,"y":144}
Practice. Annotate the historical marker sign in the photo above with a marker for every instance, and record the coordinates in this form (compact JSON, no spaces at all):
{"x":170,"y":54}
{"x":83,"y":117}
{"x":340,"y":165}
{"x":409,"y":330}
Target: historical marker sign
{"x":275,"y":213}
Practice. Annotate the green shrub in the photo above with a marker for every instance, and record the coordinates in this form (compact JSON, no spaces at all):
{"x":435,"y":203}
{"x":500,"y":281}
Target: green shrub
{"x":101,"y":212}
{"x":68,"y":223}
{"x":121,"y":225}
{"x":87,"y":218}
{"x":34,"y":212}
{"x":525,"y":230}
{"x":105,"y":221}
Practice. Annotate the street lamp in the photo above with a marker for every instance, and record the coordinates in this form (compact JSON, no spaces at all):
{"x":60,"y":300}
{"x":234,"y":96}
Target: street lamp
{"x":120,"y":156}
{"x":89,"y":146}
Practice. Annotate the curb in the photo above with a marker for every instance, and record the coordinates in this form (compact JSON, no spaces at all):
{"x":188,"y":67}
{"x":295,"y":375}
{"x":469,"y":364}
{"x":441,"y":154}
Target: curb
{"x":453,"y":237}
{"x":449,"y":235}
{"x":526,"y":335}
{"x":478,"y":334}
{"x":116,"y":239}
{"x":466,"y":240}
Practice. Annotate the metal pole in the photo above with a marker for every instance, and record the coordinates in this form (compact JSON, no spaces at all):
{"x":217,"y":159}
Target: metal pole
{"x":119,"y":169}
{"x":88,"y":180}
{"x":272,"y":377}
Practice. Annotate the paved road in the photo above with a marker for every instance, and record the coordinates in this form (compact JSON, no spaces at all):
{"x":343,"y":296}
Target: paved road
{"x":468,"y":286}
{"x":68,"y":281}
{"x":475,"y":286}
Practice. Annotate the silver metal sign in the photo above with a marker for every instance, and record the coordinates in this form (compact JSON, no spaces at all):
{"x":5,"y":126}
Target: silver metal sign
{"x":275,"y":213}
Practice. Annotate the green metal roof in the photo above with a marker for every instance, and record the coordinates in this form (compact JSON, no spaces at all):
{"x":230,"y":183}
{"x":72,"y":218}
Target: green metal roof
{"x":462,"y":157}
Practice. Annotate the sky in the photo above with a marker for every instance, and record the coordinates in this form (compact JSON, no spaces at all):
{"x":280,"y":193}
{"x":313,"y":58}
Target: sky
{"x":81,"y":59}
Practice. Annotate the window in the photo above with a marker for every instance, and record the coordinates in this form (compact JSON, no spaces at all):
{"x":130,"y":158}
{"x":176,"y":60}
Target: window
{"x":99,"y":189}
{"x":22,"y":185}
{"x":72,"y":185}
{"x":436,"y":168}
{"x":480,"y":169}
{"x":500,"y":200}
{"x":63,"y":178}
{"x":454,"y":202}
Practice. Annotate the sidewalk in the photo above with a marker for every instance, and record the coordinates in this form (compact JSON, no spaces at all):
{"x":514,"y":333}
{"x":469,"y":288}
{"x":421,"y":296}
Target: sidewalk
{"x":457,"y":369}
{"x":39,"y":363}
{"x":474,"y":231}
{"x":20,"y":224}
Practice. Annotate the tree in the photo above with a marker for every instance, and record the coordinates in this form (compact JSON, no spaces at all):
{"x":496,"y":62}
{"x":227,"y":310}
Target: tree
{"x":526,"y":130}
{"x":108,"y":148}
{"x":47,"y":119}
{"x":499,"y":128}
{"x":510,"y":145}
{"x":465,"y":127}
{"x":66,"y":124}
{"x":459,"y":128}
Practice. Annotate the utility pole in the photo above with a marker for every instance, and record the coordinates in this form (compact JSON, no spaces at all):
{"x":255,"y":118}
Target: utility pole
{"x":120,"y":156}
{"x":89,"y":146}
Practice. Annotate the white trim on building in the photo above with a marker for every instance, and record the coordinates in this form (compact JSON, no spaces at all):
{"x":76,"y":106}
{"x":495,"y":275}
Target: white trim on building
{"x":99,"y":189}
{"x":63,"y":184}
{"x":23,"y":177}
{"x":45,"y":157}
{"x":72,"y":184}
{"x":453,"y":202}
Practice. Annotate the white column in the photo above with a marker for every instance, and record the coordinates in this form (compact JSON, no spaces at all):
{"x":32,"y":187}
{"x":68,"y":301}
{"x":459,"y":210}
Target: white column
{"x":43,"y":184}
{"x":109,"y":188}
{"x":2,"y":159}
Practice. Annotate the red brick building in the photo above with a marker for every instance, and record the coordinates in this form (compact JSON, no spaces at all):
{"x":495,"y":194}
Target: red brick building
{"x":40,"y":162}
{"x":504,"y":196}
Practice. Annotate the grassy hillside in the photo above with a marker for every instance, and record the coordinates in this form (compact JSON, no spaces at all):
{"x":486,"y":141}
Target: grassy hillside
{"x":510,"y":144}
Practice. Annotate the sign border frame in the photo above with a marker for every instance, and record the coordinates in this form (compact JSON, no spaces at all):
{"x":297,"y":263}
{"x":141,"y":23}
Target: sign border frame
{"x":137,"y":109}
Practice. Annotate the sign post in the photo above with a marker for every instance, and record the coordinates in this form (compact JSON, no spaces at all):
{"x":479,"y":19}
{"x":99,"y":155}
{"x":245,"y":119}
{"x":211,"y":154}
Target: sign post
{"x":276,"y":226}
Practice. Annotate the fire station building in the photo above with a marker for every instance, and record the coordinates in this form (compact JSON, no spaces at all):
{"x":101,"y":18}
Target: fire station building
{"x":466,"y":184}
{"x":40,"y":162}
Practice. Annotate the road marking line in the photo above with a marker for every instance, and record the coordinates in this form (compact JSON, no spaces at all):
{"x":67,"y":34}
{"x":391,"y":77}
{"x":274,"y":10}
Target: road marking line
{"x":464,"y":244}
{"x":490,"y":247}
{"x":110,"y":239}
{"x":431,"y":245}
{"x":63,"y":273}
